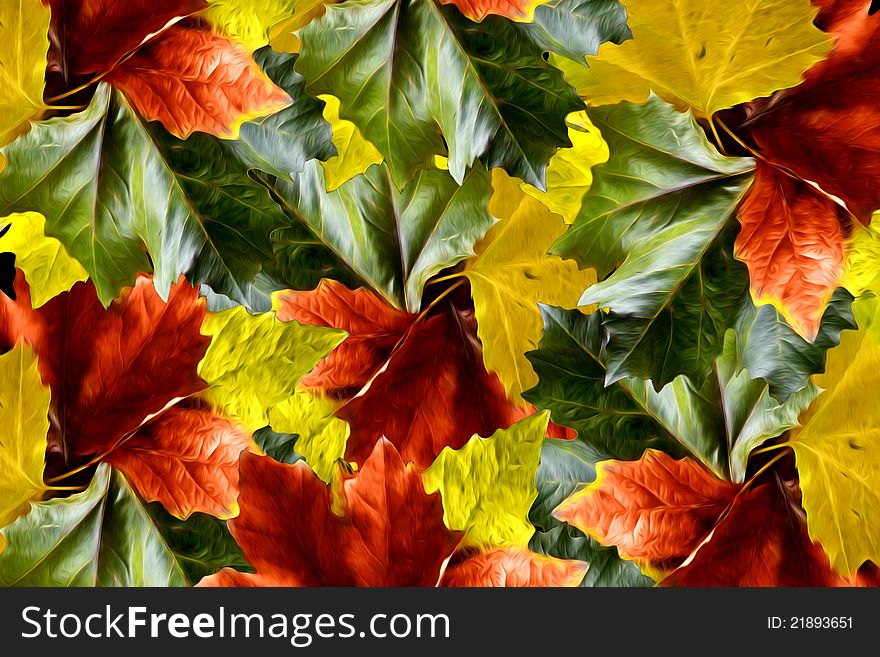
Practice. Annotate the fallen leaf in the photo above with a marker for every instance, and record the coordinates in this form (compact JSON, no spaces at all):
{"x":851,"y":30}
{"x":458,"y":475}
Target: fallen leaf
{"x":703,"y":54}
{"x":354,"y":153}
{"x":44,"y":260}
{"x":511,"y":273}
{"x":488,"y":485}
{"x":513,"y":567}
{"x":192,"y":79}
{"x":377,"y":527}
{"x":24,"y":408}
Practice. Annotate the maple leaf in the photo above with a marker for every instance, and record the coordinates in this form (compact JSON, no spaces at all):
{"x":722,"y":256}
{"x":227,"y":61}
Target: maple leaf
{"x":656,"y":226}
{"x":104,"y":536}
{"x":420,"y":382}
{"x":354,"y":153}
{"x":96,"y":417}
{"x":703,"y":55}
{"x":719,"y":421}
{"x":403,"y":68}
{"x":211,"y":222}
{"x":488,"y":485}
{"x":836,"y":451}
{"x":762,"y":541}
{"x":247,"y":383}
{"x":510,"y":274}
{"x":248,"y":22}
{"x":24,"y":408}
{"x":655,"y":510}
{"x":377,"y":527}
{"x":320,"y":436}
{"x":513,"y":567}
{"x":810,"y":132}
{"x":45,"y":262}
{"x":124,"y":27}
{"x":23,"y":45}
{"x":568,"y":174}
{"x":192,"y":79}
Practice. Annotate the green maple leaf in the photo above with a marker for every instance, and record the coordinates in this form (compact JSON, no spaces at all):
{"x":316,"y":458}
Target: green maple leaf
{"x":658,"y":226}
{"x":107,"y":536}
{"x":413,"y":73}
{"x":125,"y":197}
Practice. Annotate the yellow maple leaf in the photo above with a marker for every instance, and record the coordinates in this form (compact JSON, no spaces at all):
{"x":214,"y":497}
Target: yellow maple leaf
{"x":281,"y":34}
{"x":838,"y":449}
{"x":322,"y":436}
{"x":569,"y":173}
{"x":488,"y":486}
{"x":24,"y":423}
{"x":24,"y":42}
{"x":249,"y":21}
{"x":704,"y":54}
{"x":245,"y":381}
{"x":511,"y":273}
{"x":862,"y":268}
{"x":355,"y":154}
{"x":47,"y":266}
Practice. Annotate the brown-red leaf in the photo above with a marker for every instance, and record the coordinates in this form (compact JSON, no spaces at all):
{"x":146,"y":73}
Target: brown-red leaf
{"x":375,"y":528}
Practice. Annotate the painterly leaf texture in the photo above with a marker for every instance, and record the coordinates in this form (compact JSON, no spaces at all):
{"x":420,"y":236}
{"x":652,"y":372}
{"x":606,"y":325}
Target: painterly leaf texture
{"x":439,"y":293}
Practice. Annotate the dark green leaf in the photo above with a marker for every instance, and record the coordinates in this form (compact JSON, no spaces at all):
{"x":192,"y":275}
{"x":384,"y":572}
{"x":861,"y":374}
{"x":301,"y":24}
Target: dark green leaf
{"x":418,"y":78}
{"x":657,"y":225}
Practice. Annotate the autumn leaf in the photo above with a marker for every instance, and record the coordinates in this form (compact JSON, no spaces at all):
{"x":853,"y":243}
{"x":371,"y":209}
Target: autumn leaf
{"x":836,"y":452}
{"x":862,"y":250}
{"x":354,"y":153}
{"x":792,"y":241}
{"x":656,"y":226}
{"x":124,"y":27}
{"x":567,"y":466}
{"x":141,"y":427}
{"x":568,"y":174}
{"x":168,"y":80}
{"x":24,"y":408}
{"x":210,"y":222}
{"x":45,"y":262}
{"x":761,"y":542}
{"x":477,"y":10}
{"x":655,"y":510}
{"x":704,"y":55}
{"x":825,"y":131}
{"x":100,"y":537}
{"x":420,"y":383}
{"x":510,"y":274}
{"x":385,"y":531}
{"x":192,"y":449}
{"x":247,"y":22}
{"x":247,"y":383}
{"x":488,"y":485}
{"x":24,"y":41}
{"x":320,"y":436}
{"x":402,"y":69}
{"x":513,"y":567}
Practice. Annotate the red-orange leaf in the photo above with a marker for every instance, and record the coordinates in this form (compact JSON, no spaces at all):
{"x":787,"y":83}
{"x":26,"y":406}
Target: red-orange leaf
{"x":192,"y":79}
{"x":655,"y":510}
{"x":762,"y":541}
{"x":420,"y":383}
{"x":94,"y":35}
{"x":792,"y":242}
{"x":109,"y":370}
{"x":477,"y":10}
{"x":827,"y":129}
{"x":389,"y":531}
{"x":513,"y":567}
{"x":187,"y":459}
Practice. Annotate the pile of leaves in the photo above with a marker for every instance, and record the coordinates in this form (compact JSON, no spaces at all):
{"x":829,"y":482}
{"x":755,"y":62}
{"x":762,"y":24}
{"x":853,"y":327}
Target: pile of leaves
{"x":439,"y":292}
